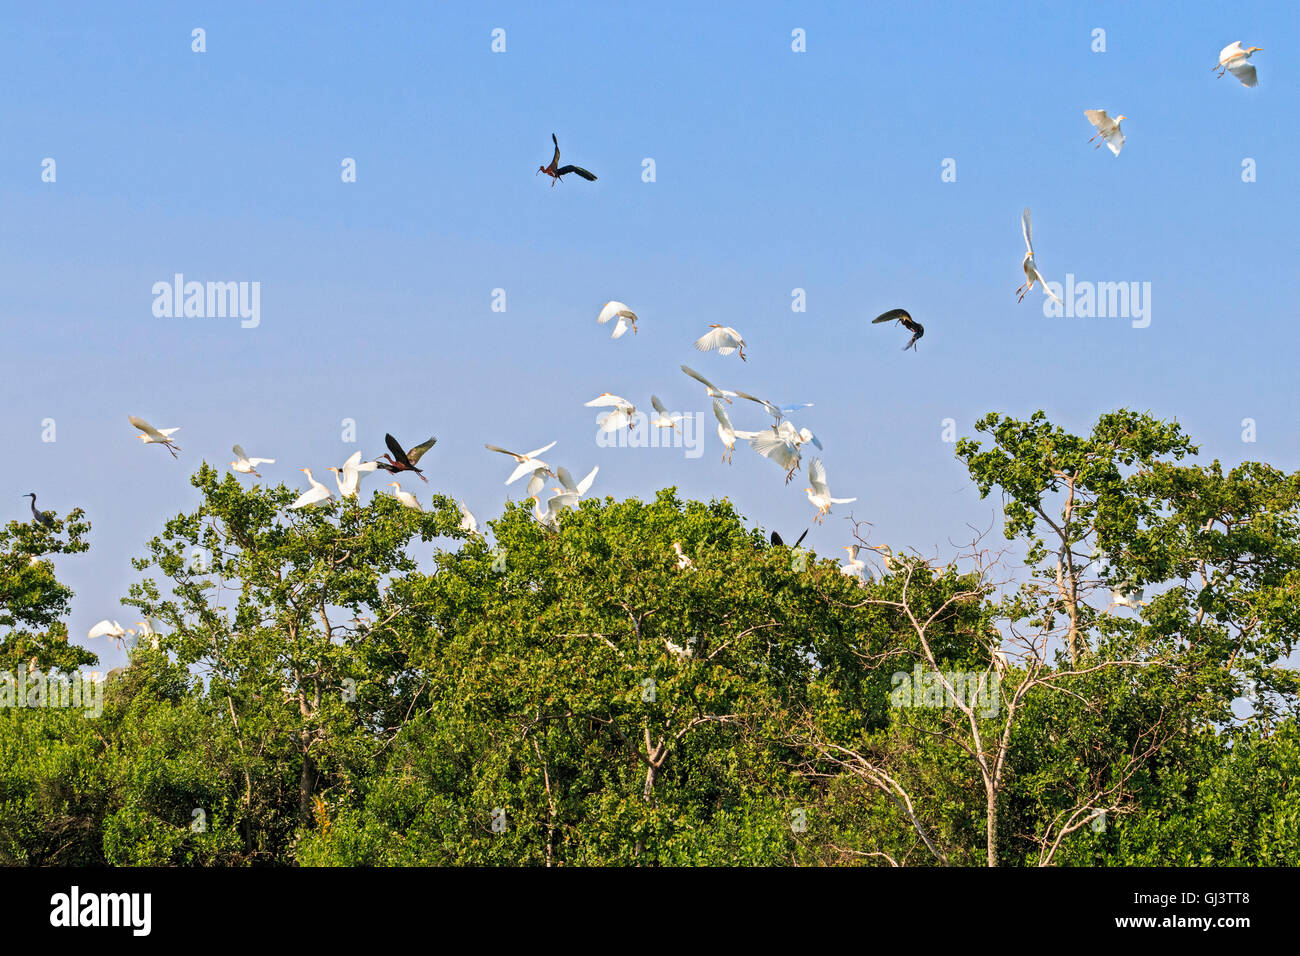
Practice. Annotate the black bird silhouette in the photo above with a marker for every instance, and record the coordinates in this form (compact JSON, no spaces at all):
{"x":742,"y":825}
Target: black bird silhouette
{"x":555,"y":170}
{"x":909,"y":323}
{"x":404,"y":460}
{"x":776,"y":539}
{"x":40,"y":516}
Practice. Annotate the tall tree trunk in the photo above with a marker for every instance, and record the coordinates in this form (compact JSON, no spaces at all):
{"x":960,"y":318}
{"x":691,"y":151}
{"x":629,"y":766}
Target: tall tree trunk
{"x":991,"y":826}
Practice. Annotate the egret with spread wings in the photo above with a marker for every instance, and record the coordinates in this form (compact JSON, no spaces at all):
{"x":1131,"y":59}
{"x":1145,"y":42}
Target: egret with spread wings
{"x":1233,"y":59}
{"x":820,"y":493}
{"x":1107,"y":128}
{"x":155,"y":436}
{"x":626,"y":318}
{"x":1032,"y":274}
{"x":528,"y":463}
{"x":723,"y":338}
{"x":713,"y":390}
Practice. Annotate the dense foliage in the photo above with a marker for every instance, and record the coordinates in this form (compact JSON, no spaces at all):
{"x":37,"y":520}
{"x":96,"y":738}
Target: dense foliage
{"x":365,"y":684}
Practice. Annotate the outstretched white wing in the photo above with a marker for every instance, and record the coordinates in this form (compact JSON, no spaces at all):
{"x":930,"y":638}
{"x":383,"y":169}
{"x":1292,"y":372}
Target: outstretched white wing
{"x":771,"y":445}
{"x":607,"y":400}
{"x":144,"y":426}
{"x":612,"y":309}
{"x":817,"y":478}
{"x":721,"y":337}
{"x":1244,"y":71}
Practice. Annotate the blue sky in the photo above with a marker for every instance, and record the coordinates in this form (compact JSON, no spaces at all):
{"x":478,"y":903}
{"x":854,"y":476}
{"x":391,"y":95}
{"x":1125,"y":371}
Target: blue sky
{"x":775,"y":170}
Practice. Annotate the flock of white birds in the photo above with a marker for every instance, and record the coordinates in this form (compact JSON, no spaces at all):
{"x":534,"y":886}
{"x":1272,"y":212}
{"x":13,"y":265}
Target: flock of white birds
{"x":781,"y":443}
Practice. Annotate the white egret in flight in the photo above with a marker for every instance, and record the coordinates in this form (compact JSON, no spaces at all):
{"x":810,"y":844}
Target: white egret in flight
{"x":107,"y":628}
{"x":245,"y":465}
{"x":156,"y":436}
{"x":626,"y":318}
{"x":1107,"y":128}
{"x":776,"y":411}
{"x":724,"y":339}
{"x":726,"y":432}
{"x":1234,"y":60}
{"x":578,"y":488}
{"x":1032,"y":274}
{"x":713,"y":390}
{"x":663,"y":418}
{"x":782,"y":445}
{"x":820,"y":493}
{"x":624,"y":412}
{"x":314,"y":495}
{"x":528,"y":462}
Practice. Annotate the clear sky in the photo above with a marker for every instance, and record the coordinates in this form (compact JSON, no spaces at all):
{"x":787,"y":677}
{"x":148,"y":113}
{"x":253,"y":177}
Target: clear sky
{"x":775,"y":170}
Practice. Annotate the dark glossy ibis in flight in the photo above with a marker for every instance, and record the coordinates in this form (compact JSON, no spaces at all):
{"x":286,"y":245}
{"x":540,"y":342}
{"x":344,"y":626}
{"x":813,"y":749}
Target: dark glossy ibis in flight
{"x":401,"y":460}
{"x":555,"y":170}
{"x":39,"y":516}
{"x":909,"y":323}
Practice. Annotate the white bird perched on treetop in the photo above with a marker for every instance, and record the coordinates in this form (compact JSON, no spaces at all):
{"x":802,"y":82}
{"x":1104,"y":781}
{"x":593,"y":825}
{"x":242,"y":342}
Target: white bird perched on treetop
{"x":1032,"y":274}
{"x":146,"y":630}
{"x":1107,"y":128}
{"x":724,"y":339}
{"x":1131,"y":597}
{"x":777,"y":412}
{"x":245,"y":465}
{"x":820,"y":493}
{"x":855,"y":565}
{"x":726,"y":432}
{"x":557,"y":503}
{"x":405,"y":497}
{"x":1233,"y":59}
{"x":1001,"y":663}
{"x":468,"y":523}
{"x":677,"y":649}
{"x":624,"y":412}
{"x":315,"y":494}
{"x":576,"y":487}
{"x":155,"y":436}
{"x":348,"y":477}
{"x":528,"y":462}
{"x":683,"y":562}
{"x":713,"y":390}
{"x":626,"y":318}
{"x":663,"y":417}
